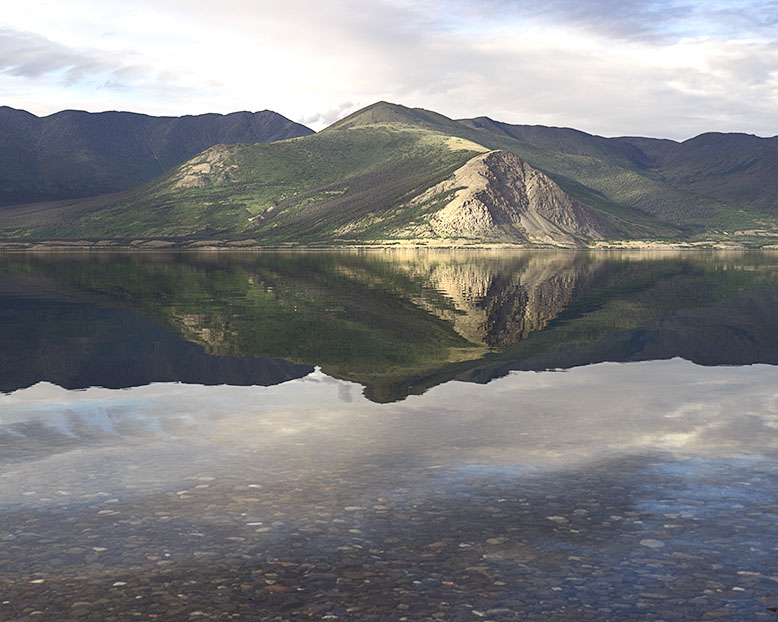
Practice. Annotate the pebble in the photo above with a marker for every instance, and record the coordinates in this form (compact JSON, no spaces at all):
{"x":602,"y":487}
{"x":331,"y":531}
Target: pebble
{"x":652,"y":544}
{"x":296,"y":550}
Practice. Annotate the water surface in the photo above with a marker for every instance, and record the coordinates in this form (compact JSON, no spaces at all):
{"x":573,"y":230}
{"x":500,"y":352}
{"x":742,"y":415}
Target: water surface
{"x":388,"y":436}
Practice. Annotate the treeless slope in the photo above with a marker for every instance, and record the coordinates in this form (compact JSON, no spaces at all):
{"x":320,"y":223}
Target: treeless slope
{"x":498,"y":196}
{"x":568,"y":140}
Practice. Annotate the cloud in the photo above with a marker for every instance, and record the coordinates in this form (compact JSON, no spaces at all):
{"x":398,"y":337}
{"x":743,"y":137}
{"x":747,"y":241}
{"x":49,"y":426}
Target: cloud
{"x":626,"y":18}
{"x":29,"y":55}
{"x":323,"y":119}
{"x":659,"y":67}
{"x":660,"y":21}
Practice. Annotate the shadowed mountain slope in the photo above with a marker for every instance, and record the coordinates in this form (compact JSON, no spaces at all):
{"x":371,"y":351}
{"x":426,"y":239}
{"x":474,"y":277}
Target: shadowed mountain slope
{"x":78,"y":154}
{"x":568,"y":140}
{"x":740,"y":168}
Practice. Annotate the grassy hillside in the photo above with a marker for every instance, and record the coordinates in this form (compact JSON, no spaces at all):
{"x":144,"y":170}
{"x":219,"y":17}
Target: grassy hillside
{"x":739,"y":168}
{"x":357,"y":181}
{"x":303,"y":190}
{"x":616,"y":176}
{"x":567,"y":140}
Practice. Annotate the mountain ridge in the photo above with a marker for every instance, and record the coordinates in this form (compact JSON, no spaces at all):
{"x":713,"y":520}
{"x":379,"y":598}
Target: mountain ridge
{"x":736,"y":167}
{"x":389,"y":173}
{"x":374,"y":176}
{"x":75,"y":154}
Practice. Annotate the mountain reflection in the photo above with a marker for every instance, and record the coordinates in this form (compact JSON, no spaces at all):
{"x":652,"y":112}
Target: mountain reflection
{"x":498,"y":301}
{"x":397,"y":322}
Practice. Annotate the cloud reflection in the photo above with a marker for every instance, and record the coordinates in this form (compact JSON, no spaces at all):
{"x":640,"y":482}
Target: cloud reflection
{"x":546,"y":419}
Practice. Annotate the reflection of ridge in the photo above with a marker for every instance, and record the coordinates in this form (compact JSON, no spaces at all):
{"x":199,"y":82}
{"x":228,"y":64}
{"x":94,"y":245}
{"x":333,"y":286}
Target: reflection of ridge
{"x":738,"y":331}
{"x":77,"y":345}
{"x":500,"y":303}
{"x":397,"y":323}
{"x":209,"y":332}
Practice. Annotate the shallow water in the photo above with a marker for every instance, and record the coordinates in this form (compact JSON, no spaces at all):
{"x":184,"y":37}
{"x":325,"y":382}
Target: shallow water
{"x":426,"y":468}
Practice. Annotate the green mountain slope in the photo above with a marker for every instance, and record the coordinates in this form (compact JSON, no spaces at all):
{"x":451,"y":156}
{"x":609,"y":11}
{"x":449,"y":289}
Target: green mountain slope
{"x":621,"y":176}
{"x":304,"y":190}
{"x":367,"y":178}
{"x":569,"y":141}
{"x":389,"y":173}
{"x":740,"y":169}
{"x":74,"y":153}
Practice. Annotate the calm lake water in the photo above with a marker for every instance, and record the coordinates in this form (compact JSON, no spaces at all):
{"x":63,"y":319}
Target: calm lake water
{"x":389,"y":436}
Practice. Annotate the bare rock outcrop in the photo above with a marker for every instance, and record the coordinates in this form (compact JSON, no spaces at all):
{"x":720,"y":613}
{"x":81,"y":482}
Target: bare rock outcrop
{"x":213,"y":166}
{"x":498,"y":196}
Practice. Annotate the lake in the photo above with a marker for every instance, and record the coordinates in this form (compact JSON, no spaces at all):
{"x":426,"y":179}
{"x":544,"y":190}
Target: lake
{"x":389,"y":435}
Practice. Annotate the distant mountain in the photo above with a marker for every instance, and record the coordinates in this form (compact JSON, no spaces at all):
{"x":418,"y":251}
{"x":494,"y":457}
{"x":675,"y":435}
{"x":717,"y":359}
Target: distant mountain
{"x":738,"y":168}
{"x":393,"y":174}
{"x":74,"y":154}
{"x":567,"y":140}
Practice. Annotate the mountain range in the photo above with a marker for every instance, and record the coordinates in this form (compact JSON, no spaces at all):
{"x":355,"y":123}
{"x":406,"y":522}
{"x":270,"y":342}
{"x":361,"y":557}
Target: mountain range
{"x":390,"y":174}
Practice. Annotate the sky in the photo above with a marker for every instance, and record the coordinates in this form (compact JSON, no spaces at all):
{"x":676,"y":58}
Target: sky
{"x":663,"y":68}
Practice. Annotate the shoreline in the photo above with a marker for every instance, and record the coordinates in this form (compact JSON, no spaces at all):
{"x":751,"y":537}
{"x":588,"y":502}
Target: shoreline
{"x":174,"y":246}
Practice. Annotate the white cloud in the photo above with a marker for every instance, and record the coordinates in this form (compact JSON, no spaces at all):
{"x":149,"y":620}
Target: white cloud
{"x":667,"y":68}
{"x":328,"y":117}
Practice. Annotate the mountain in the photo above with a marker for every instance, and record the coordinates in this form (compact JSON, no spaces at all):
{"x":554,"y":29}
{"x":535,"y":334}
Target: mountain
{"x":74,"y":154}
{"x":498,"y":196}
{"x":396,"y":175}
{"x":567,"y":140}
{"x":385,"y":173}
{"x":741,"y":169}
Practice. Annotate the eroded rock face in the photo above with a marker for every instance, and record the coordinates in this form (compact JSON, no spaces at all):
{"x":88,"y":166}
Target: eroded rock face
{"x":211,"y":167}
{"x":500,"y":197}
